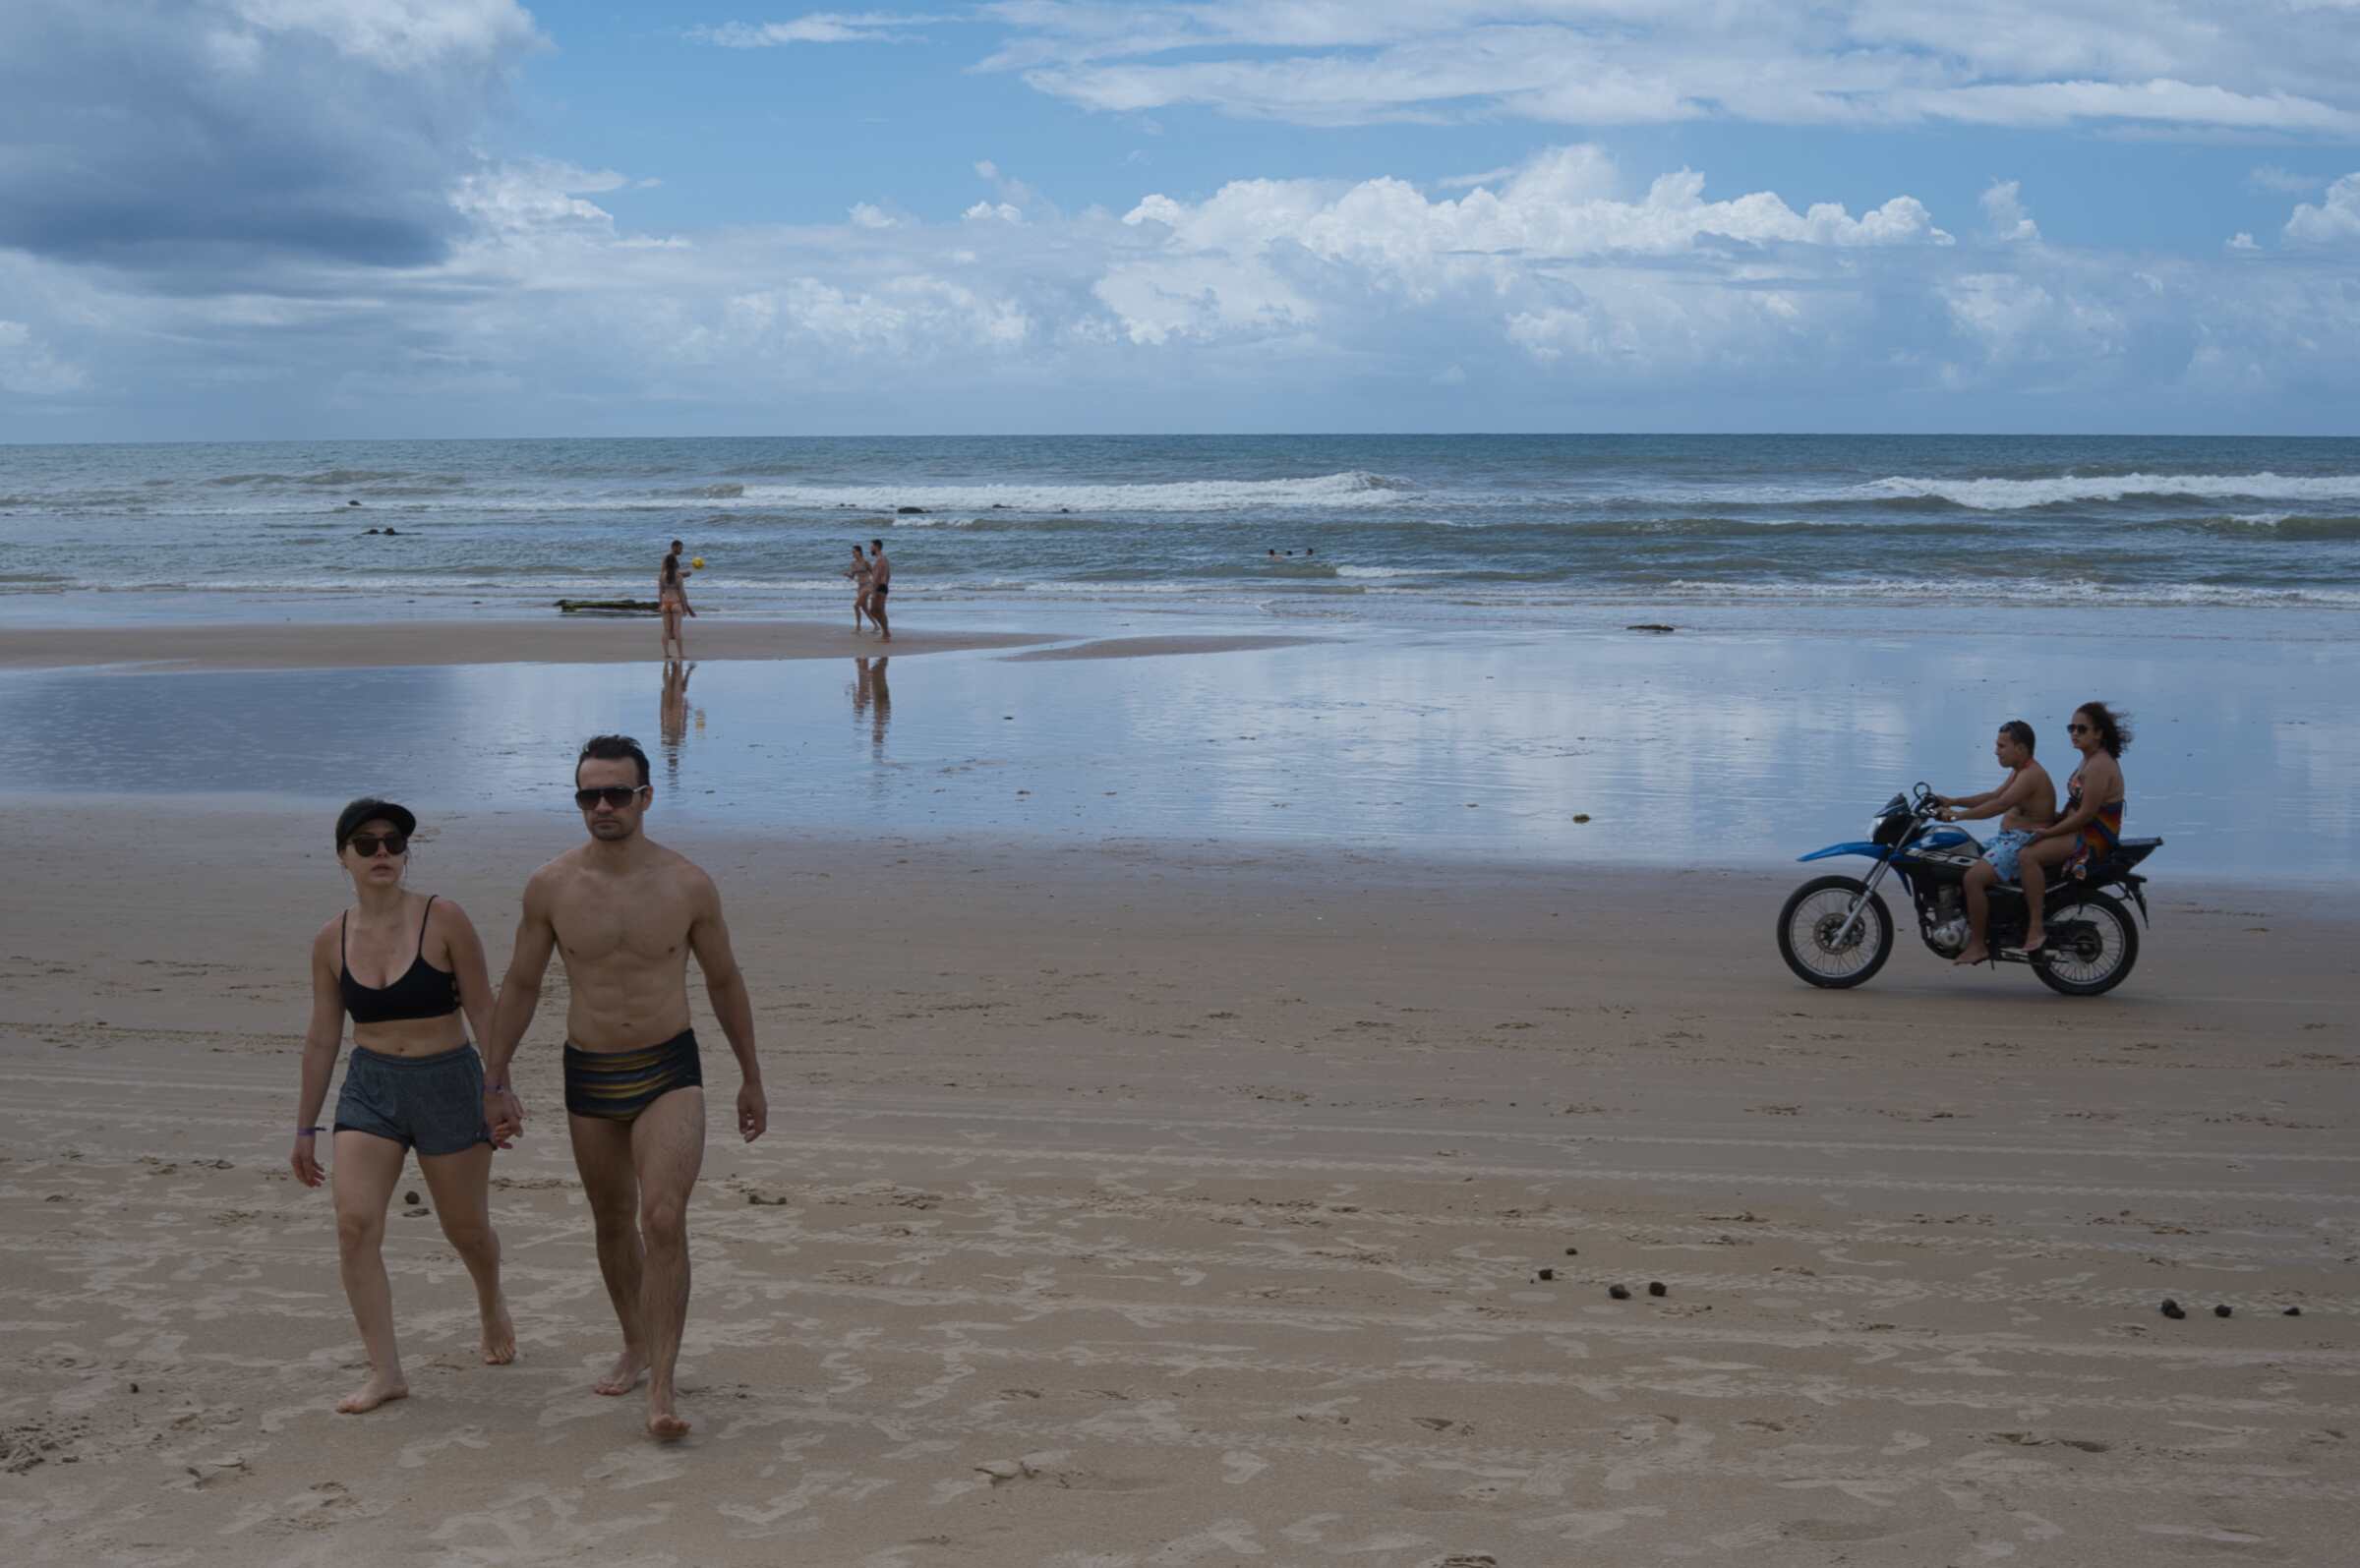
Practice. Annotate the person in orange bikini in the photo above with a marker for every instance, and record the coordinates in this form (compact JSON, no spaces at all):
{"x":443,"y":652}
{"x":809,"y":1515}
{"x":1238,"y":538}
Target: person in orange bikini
{"x":2091,"y":823}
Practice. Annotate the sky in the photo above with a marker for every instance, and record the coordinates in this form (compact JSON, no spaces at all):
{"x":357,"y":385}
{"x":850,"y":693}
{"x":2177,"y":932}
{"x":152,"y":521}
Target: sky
{"x":260,"y":219}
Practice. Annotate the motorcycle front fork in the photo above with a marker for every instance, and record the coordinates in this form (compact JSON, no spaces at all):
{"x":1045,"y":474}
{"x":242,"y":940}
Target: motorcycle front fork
{"x":1859,"y":906}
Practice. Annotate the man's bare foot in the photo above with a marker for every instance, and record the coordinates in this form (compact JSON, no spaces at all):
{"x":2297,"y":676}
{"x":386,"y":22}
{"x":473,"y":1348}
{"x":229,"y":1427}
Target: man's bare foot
{"x":628,"y":1368}
{"x":377,"y":1391}
{"x":1972,"y":955}
{"x":2034,"y":941}
{"x":663,"y":1425}
{"x":499,"y":1335}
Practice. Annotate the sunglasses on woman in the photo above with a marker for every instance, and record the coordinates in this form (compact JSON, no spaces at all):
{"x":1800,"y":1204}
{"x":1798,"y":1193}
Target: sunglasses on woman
{"x":615,"y":795}
{"x":366,"y":845}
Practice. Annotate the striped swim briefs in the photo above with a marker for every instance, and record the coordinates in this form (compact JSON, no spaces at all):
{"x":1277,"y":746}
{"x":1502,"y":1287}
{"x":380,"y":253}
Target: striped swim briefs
{"x":617,"y":1086}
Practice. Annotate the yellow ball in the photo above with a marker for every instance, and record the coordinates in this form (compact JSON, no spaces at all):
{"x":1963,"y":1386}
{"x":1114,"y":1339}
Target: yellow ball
{"x":697,"y":561}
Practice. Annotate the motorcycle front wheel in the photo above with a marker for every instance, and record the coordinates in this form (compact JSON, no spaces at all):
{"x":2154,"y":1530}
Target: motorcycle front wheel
{"x":1809,"y":930}
{"x":2091,"y":946}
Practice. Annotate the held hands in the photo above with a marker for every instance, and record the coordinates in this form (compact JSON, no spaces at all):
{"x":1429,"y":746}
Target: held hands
{"x":503,"y":1113}
{"x":754,"y":1111}
{"x":304,"y":1161}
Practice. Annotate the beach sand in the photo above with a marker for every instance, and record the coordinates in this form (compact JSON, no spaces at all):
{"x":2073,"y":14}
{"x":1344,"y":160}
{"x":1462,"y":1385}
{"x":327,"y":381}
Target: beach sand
{"x":391,"y":644}
{"x":1130,"y":1205}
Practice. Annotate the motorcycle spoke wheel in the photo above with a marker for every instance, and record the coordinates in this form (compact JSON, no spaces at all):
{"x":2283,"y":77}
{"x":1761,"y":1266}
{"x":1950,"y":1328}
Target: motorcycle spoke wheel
{"x":1813,"y":930}
{"x":2091,"y":947}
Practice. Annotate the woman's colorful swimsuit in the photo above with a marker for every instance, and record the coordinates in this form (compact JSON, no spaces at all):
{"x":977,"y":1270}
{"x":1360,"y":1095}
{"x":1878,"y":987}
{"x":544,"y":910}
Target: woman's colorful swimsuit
{"x":2098,"y":836}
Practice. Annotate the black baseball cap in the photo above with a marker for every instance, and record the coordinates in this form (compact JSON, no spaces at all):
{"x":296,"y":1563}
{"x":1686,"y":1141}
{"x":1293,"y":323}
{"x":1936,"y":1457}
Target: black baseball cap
{"x":370,"y":809}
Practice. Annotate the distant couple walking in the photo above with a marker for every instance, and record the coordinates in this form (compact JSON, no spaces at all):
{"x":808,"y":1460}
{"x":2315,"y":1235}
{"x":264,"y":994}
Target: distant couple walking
{"x":872,"y":582}
{"x":626,"y":913}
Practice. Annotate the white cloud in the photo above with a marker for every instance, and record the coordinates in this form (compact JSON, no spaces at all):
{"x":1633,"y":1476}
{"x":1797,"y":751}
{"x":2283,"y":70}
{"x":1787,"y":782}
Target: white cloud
{"x":1561,"y":278}
{"x":2270,"y":177}
{"x":2242,"y":240}
{"x":867,"y":215}
{"x":537,"y":196}
{"x":2336,"y":220}
{"x":818,"y":27}
{"x":1598,"y":62}
{"x":397,"y":34}
{"x":993,"y":212}
{"x":2005,"y":215}
{"x":29,"y":369}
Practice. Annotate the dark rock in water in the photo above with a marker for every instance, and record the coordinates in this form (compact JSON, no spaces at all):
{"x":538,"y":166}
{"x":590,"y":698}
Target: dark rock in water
{"x":1548,"y":1273}
{"x":2293,"y":1311}
{"x":999,"y":506}
{"x":912,"y":512}
{"x":352,"y":503}
{"x":2222,"y":1311}
{"x":1650,"y":625}
{"x":1620,"y":1293}
{"x":366,"y":532}
{"x":2171,"y":1309}
{"x":1656,"y":1287}
{"x":390,"y":532}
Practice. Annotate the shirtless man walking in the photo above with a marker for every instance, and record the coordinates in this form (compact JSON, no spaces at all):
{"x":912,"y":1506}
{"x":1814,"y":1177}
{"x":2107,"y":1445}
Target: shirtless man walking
{"x":2025,"y":803}
{"x":627,"y":912}
{"x":880,"y":583}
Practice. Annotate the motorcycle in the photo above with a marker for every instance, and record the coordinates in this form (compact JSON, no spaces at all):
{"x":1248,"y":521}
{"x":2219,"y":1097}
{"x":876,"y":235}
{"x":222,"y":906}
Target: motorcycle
{"x":1836,"y":932}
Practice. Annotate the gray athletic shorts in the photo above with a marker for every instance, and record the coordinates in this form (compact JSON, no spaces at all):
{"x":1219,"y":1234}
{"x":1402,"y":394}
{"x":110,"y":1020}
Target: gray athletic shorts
{"x":433,"y":1104}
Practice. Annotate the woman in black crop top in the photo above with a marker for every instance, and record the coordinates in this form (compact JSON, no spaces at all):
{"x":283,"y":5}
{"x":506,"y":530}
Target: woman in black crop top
{"x":408,"y":968}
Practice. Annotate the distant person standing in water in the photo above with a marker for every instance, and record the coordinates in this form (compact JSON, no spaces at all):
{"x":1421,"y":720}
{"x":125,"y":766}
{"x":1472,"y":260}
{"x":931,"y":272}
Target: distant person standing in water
{"x":671,"y":599}
{"x":880,"y":572}
{"x":858,"y":572}
{"x":413,"y":1083}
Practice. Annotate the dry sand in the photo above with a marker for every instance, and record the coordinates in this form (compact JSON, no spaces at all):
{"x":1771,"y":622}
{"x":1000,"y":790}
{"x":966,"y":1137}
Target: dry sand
{"x":1142,"y":1206}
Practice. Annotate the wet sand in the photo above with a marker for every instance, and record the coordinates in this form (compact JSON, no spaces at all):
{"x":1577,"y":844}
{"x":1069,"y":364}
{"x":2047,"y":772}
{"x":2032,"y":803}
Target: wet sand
{"x":394,"y":643}
{"x":1159,"y":647}
{"x":1133,"y":1205}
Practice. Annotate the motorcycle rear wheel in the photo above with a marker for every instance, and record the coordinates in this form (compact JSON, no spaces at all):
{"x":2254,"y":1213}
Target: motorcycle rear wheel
{"x":1807,"y":925}
{"x":2099,"y":957}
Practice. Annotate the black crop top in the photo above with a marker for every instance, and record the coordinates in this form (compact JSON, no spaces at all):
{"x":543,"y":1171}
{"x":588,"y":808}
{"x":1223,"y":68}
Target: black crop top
{"x":422,"y":992}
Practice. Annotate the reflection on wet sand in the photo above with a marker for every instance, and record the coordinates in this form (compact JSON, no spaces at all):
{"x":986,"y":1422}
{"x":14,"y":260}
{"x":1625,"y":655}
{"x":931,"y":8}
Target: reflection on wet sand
{"x":871,"y":696}
{"x":671,"y":719}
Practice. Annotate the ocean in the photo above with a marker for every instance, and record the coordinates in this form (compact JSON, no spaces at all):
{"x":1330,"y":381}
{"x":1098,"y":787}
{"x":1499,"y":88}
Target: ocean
{"x":1367,"y":525}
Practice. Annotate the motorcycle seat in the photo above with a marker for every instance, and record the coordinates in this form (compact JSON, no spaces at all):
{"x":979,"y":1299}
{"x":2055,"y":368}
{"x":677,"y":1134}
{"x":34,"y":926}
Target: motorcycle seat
{"x":2127,"y":852}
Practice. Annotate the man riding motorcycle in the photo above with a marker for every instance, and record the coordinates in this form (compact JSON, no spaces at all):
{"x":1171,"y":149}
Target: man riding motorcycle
{"x":2025,"y":803}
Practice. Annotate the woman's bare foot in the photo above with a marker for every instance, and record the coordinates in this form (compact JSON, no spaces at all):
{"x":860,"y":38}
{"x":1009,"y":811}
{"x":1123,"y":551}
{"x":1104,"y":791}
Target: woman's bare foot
{"x":499,"y":1335}
{"x":1972,"y":955}
{"x":625,"y":1377}
{"x":664,"y":1424}
{"x":377,"y":1391}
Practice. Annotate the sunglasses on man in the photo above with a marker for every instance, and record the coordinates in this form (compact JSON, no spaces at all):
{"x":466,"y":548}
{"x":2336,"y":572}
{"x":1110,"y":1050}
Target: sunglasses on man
{"x":615,"y":795}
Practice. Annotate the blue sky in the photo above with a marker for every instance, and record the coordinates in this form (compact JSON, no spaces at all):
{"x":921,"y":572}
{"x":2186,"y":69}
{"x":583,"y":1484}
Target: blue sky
{"x":260,"y":218}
